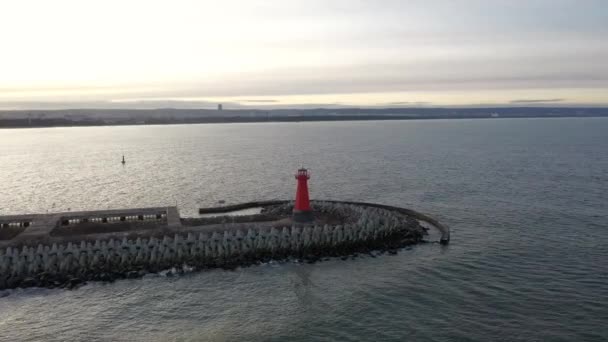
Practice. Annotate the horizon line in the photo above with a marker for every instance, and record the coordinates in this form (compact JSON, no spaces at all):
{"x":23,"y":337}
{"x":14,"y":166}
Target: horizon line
{"x":603,"y":106}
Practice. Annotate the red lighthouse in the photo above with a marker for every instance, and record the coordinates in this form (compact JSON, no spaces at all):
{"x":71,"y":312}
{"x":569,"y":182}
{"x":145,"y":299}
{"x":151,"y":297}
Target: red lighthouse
{"x":301,"y":211}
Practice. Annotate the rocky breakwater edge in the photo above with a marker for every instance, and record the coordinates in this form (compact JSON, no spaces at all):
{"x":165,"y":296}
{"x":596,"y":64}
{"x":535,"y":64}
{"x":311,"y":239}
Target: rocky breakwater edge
{"x":340,"y":229}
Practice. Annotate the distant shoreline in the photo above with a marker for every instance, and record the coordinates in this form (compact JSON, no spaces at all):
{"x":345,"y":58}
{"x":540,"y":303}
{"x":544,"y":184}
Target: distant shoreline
{"x":128,"y":117}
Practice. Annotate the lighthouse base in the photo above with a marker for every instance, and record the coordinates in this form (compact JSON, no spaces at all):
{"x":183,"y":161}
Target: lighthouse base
{"x":300,"y":216}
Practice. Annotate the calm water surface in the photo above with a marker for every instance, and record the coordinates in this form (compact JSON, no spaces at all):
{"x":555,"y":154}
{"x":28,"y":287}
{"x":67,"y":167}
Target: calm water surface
{"x":527,"y":201}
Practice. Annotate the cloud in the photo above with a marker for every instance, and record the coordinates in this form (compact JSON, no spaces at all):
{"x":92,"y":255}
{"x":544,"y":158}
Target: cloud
{"x":260,"y":101}
{"x":407,"y":103}
{"x":536,"y":100}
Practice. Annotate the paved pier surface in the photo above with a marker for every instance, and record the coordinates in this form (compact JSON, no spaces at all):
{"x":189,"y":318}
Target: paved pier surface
{"x":39,"y":226}
{"x":100,"y":224}
{"x":173,"y":218}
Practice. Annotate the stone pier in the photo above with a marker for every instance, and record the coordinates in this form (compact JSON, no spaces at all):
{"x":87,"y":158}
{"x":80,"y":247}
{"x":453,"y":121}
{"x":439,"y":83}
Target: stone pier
{"x":64,"y":249}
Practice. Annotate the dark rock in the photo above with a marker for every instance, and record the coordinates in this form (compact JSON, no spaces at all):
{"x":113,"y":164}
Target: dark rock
{"x":104,"y":277}
{"x":229,"y":267}
{"x":12,"y":283}
{"x":3,"y":284}
{"x":73,"y":283}
{"x":29,"y":282}
{"x":132,"y":274}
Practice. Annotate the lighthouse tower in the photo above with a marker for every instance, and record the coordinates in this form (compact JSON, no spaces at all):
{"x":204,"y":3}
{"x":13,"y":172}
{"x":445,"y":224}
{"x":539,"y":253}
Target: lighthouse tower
{"x":302,"y":213}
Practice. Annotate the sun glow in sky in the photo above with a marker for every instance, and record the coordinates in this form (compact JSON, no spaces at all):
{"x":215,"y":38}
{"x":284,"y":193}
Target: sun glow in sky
{"x":251,"y":53}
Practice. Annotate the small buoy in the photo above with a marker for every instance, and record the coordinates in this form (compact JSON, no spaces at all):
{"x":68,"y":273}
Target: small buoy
{"x":123,"y":160}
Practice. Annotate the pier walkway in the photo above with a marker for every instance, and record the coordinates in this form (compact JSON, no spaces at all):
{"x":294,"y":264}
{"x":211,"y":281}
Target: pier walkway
{"x":53,"y":227}
{"x":39,"y":226}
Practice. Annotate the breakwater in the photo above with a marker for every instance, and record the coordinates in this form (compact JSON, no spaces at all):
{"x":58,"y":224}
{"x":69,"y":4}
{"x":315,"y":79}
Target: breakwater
{"x":443,"y":229}
{"x":342,"y":228}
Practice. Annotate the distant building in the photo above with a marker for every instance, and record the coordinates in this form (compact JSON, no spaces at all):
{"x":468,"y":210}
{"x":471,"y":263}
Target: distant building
{"x":220,"y":107}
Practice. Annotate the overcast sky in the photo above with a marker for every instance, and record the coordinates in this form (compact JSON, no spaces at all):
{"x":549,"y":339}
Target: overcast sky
{"x":129,"y":53}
